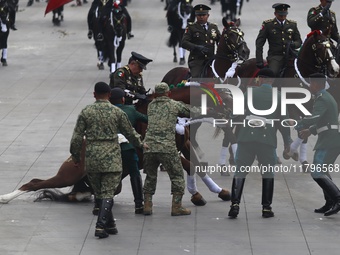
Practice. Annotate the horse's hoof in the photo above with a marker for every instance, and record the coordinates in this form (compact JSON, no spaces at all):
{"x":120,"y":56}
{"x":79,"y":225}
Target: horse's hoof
{"x":295,"y":156}
{"x":181,"y":61}
{"x":198,"y":200}
{"x":100,"y":66}
{"x":224,"y":195}
{"x":285,"y":155}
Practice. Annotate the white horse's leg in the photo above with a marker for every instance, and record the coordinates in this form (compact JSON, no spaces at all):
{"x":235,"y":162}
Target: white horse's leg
{"x":113,"y":67}
{"x":213,"y":187}
{"x":4,"y":199}
{"x":191,"y":184}
{"x":294,"y":148}
{"x":118,"y":64}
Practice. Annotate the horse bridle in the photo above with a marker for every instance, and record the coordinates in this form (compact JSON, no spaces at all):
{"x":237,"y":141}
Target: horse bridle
{"x":233,"y":46}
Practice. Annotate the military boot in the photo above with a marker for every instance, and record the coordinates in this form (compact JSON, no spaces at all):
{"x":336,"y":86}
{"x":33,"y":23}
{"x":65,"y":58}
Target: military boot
{"x":111,"y":227}
{"x":147,"y":210}
{"x":236,"y":194}
{"x":267,"y":197}
{"x":104,"y":216}
{"x":137,"y":190}
{"x":177,"y":209}
{"x":95,"y":209}
{"x":327,"y":206}
{"x":326,"y":183}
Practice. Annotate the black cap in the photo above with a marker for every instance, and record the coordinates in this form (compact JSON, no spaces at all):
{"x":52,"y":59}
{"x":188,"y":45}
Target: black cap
{"x":266,"y":72}
{"x":281,"y":9}
{"x":102,"y":88}
{"x":140,"y":59}
{"x":117,"y":93}
{"x":201,"y":9}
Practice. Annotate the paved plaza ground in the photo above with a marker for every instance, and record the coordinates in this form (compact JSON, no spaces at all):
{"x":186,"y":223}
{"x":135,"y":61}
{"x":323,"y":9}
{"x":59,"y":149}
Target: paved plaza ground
{"x":50,"y":77}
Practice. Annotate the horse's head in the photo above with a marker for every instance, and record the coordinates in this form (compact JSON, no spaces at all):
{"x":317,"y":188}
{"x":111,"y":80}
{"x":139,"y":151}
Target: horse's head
{"x":232,"y":43}
{"x":318,"y":47}
{"x":118,"y":19}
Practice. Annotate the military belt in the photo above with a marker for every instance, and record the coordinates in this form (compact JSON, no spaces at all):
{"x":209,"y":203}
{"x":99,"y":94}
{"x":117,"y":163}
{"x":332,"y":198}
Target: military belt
{"x":329,"y":127}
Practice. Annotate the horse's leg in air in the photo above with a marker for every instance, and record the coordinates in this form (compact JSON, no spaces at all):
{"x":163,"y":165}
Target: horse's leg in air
{"x":193,"y":131}
{"x":229,"y":137}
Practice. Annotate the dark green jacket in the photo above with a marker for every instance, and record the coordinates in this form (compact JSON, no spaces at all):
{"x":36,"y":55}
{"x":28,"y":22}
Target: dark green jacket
{"x":316,"y":21}
{"x":325,"y":113}
{"x":262,"y":100}
{"x":133,"y":116}
{"x":278,"y":37}
{"x":195,"y":35}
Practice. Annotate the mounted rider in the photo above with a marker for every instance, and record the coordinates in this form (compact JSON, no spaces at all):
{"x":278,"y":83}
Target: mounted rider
{"x":200,"y":39}
{"x":100,"y":9}
{"x":281,"y":34}
{"x":130,"y":79}
{"x":324,"y":19}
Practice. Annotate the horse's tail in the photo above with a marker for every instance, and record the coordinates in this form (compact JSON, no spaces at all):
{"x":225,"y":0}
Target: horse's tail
{"x":173,"y":39}
{"x":49,"y":194}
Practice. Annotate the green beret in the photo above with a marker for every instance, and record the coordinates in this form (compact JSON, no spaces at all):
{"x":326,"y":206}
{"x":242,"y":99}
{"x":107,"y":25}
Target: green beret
{"x":161,"y":88}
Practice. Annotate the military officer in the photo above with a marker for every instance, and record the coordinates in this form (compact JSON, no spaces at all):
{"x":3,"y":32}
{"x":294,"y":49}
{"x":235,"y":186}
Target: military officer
{"x":130,"y":77}
{"x":160,"y":136}
{"x":200,"y":38}
{"x":129,"y":153}
{"x":100,"y":123}
{"x":322,"y":18}
{"x":280,"y":33}
{"x":324,"y":122}
{"x":257,"y":138}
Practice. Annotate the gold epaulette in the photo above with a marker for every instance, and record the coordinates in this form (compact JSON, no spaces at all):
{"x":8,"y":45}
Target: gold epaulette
{"x":291,"y":21}
{"x":268,"y":20}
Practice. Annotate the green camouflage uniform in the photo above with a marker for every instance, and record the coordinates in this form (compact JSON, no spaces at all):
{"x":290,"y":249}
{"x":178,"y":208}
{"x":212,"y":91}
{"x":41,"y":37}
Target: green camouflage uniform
{"x":123,"y":78}
{"x":324,"y":123}
{"x":278,"y":38}
{"x":160,"y":137}
{"x":316,"y":21}
{"x":100,"y":123}
{"x":195,"y":35}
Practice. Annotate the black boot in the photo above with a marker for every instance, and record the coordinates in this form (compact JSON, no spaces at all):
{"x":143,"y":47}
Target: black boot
{"x":332,"y":190}
{"x":111,"y":228}
{"x":236,"y":194}
{"x":104,"y":216}
{"x":328,"y":205}
{"x":95,"y":209}
{"x":137,"y":190}
{"x":267,"y":197}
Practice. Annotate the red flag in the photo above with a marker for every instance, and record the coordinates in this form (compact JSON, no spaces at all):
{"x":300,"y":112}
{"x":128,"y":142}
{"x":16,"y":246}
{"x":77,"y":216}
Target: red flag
{"x":54,"y":4}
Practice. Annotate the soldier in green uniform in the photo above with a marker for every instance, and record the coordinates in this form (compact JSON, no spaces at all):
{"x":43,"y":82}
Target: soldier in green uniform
{"x":160,"y":136}
{"x":130,"y":77}
{"x":324,"y":122}
{"x":322,"y":18}
{"x":280,"y":33}
{"x":257,"y":138}
{"x":200,"y":38}
{"x":100,"y":124}
{"x":129,"y":153}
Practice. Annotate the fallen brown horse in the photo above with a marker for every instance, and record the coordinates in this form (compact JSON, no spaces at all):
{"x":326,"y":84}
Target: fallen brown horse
{"x":67,"y":175}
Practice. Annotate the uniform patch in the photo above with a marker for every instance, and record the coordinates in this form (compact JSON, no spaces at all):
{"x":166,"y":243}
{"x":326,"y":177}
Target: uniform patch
{"x":121,"y":74}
